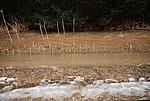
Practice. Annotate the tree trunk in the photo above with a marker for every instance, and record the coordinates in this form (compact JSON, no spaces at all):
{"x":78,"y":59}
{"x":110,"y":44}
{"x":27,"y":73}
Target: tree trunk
{"x":41,"y":31}
{"x":45,"y":29}
{"x":63,"y":25}
{"x":73,"y":25}
{"x":58,"y":28}
{"x":6,"y":26}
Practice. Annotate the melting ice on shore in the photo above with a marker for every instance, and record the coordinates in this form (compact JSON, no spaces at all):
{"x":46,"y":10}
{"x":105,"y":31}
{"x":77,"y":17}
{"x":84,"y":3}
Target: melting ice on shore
{"x":59,"y":91}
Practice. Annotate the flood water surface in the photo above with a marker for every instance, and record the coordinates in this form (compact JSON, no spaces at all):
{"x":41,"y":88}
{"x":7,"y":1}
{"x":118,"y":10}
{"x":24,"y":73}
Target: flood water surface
{"x":71,"y":59}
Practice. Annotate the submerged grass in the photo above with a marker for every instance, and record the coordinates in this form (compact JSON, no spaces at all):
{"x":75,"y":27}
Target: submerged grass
{"x":110,"y":42}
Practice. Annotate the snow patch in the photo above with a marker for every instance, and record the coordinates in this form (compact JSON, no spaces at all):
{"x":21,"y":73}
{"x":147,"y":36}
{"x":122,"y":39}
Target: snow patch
{"x":3,"y":79}
{"x":60,"y":91}
{"x":49,"y":91}
{"x":8,"y":84}
{"x":126,"y":89}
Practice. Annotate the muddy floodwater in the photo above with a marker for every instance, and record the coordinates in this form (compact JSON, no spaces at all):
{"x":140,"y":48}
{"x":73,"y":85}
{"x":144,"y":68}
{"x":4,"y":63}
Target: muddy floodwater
{"x":92,"y":66}
{"x":130,"y":47}
{"x":76,"y":58}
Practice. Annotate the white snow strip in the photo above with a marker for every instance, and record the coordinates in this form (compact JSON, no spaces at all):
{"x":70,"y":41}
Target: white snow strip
{"x":50,"y":91}
{"x":59,"y":92}
{"x":127,"y":89}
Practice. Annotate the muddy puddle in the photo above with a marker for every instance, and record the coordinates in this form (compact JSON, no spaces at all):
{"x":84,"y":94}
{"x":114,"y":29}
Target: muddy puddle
{"x":76,"y":58}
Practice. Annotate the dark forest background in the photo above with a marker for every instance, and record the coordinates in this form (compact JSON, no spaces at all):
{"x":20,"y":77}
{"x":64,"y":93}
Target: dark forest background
{"x":88,"y":15}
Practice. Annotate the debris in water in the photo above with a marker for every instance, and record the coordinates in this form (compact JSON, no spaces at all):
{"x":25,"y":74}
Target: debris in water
{"x":131,"y":79}
{"x":142,"y":79}
{"x":3,"y":79}
{"x":111,"y":81}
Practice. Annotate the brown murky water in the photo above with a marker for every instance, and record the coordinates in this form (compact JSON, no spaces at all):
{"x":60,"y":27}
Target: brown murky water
{"x":109,"y":55}
{"x":64,"y":59}
{"x":81,"y":48}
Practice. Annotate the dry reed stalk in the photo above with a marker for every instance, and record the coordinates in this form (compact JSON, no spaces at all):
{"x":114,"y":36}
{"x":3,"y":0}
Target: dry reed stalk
{"x":58,"y":28}
{"x":126,"y":45}
{"x":63,"y":26}
{"x":73,"y":25}
{"x":39,"y":49}
{"x":73,"y":42}
{"x":62,"y":48}
{"x":86,"y":47}
{"x":131,"y":48}
{"x":80,"y":47}
{"x":40,"y":26}
{"x":33,"y":44}
{"x":72,"y":48}
{"x":122,"y":48}
{"x":18,"y":51}
{"x":94,"y":47}
{"x":68,"y":50}
{"x":3,"y":71}
{"x":123,"y":44}
{"x":138,"y":46}
{"x":73,"y":45}
{"x":50,"y":47}
{"x":30,"y":50}
{"x":1,"y":47}
{"x":52,"y":50}
{"x":6,"y":26}
{"x":34,"y":47}
{"x":13,"y":52}
{"x":24,"y":48}
{"x":15,"y":31}
{"x":44,"y":50}
{"x":105,"y":47}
